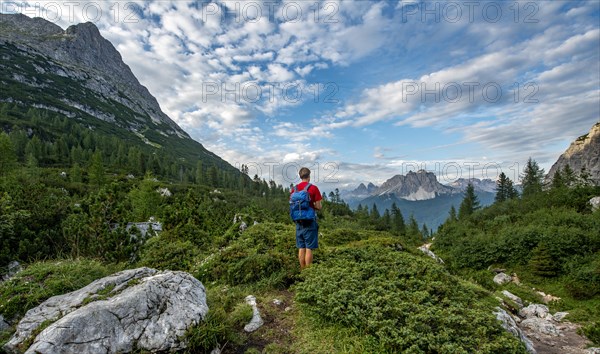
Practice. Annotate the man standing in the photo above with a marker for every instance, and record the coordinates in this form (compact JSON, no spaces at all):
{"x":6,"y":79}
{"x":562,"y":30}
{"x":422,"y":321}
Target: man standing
{"x":307,"y":231}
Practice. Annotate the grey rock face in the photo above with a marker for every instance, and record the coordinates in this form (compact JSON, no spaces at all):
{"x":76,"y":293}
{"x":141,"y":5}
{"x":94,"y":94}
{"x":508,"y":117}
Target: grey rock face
{"x":138,"y":308}
{"x":583,"y":152}
{"x":426,"y":250}
{"x":510,"y":325}
{"x":502,"y":278}
{"x":513,"y":297}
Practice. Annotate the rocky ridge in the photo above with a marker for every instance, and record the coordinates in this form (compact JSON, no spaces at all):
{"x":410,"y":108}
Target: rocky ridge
{"x":583,"y":152}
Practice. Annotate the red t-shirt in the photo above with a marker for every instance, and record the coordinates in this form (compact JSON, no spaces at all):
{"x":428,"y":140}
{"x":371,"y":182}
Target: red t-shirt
{"x":313,"y":191}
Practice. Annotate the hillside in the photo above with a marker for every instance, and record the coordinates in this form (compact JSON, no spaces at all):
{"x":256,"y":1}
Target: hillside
{"x":49,"y":74}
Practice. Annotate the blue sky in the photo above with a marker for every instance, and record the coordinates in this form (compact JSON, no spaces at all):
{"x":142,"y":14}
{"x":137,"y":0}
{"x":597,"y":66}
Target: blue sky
{"x":372,"y":61}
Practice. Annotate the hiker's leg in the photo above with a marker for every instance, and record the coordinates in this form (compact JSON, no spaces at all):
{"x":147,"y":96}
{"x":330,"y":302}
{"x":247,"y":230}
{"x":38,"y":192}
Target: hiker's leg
{"x":302,"y":257}
{"x":308,"y":258}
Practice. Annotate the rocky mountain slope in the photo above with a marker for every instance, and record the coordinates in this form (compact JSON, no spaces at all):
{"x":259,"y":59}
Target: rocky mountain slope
{"x":583,"y":152}
{"x":79,"y":74}
{"x":420,"y":185}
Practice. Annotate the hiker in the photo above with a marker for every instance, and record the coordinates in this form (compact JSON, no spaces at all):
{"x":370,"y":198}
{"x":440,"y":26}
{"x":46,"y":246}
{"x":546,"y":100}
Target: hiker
{"x":305,"y":198}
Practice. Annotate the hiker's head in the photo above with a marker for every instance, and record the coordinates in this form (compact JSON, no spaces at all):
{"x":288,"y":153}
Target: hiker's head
{"x":304,"y":173}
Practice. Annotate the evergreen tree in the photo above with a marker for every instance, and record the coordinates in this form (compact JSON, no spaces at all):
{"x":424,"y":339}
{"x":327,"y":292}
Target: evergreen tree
{"x":398,"y":225}
{"x":76,"y":175}
{"x":569,"y":176}
{"x":375,"y":213}
{"x":504,"y":189}
{"x":213,"y":176}
{"x":452,"y":214}
{"x":558,"y":180}
{"x":97,"y":169}
{"x":8,"y":157}
{"x":542,"y":263}
{"x":386,"y":220}
{"x":412,"y":231}
{"x":145,"y":200}
{"x":469,"y":204}
{"x":532,"y":178}
{"x":425,"y":231}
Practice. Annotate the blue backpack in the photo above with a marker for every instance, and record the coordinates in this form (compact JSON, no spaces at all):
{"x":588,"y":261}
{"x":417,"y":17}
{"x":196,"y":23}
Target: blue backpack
{"x":300,"y":209}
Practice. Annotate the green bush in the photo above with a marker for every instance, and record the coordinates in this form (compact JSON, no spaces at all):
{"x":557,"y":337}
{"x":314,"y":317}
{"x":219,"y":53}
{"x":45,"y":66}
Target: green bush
{"x":164,"y":252}
{"x":407,"y":303}
{"x":340,"y":236}
{"x":264,"y":253}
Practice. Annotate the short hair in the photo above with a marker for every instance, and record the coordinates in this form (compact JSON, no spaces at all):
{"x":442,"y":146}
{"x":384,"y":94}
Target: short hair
{"x":304,"y":173}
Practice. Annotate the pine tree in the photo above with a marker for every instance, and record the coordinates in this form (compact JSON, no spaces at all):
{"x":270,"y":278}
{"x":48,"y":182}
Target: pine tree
{"x":542,"y":263}
{"x":375,"y":213}
{"x":398,"y":225}
{"x":568,"y":176}
{"x":8,"y":157}
{"x":452,"y":214}
{"x":469,"y":204}
{"x":412,"y":231}
{"x":97,"y":169}
{"x":76,"y":175}
{"x":558,"y":180}
{"x":386,"y":220}
{"x":505,"y":189}
{"x":532,"y":178}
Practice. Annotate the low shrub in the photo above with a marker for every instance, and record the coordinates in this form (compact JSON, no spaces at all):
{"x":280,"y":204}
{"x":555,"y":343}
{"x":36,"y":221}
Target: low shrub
{"x":407,"y":303}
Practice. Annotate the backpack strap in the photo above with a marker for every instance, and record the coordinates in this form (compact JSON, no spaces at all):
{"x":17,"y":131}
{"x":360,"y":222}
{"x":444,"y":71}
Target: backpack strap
{"x":307,"y":186}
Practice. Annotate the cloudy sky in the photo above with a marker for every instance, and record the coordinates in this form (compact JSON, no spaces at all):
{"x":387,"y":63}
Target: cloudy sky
{"x":362,"y":90}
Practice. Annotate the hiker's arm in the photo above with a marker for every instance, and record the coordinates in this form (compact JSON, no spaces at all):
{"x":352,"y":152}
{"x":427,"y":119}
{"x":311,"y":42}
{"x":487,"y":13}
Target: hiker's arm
{"x":318,"y":205}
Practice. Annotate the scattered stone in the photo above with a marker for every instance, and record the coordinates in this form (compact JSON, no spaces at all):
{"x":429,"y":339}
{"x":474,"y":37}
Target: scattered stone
{"x":534,"y":310}
{"x":595,"y":203}
{"x":502,"y":278}
{"x":255,"y":223}
{"x":256,"y":322}
{"x":12,"y":269}
{"x":63,"y":174}
{"x":510,"y":325}
{"x":514,"y":298}
{"x":541,"y":325}
{"x":425,"y":249}
{"x":559,"y":316}
{"x":515,"y":279}
{"x":243,"y":226}
{"x":498,"y":270}
{"x":287,"y":309}
{"x":3,"y":324}
{"x":547,"y":298}
{"x":277,"y":302}
{"x":130,"y":176}
{"x":593,"y":351}
{"x":138,"y":308}
{"x":164,"y":192}
{"x":216,"y":351}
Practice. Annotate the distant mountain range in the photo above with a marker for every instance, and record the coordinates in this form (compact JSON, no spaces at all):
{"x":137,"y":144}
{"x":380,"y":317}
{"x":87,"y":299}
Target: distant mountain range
{"x":419,"y":194}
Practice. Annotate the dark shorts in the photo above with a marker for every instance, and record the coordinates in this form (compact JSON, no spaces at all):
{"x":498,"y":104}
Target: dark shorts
{"x":307,"y":234}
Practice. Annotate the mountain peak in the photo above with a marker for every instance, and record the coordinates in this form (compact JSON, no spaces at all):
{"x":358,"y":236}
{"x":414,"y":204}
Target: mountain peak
{"x":420,"y":185}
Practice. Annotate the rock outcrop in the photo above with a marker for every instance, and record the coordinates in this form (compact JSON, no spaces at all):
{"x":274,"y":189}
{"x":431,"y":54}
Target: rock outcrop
{"x":425,"y":249}
{"x":509,"y":323}
{"x":583,"y":152}
{"x":256,"y":322}
{"x":137,"y":309}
